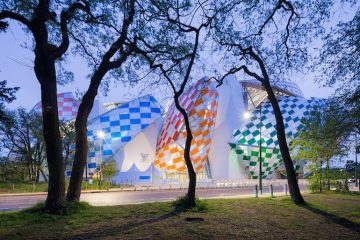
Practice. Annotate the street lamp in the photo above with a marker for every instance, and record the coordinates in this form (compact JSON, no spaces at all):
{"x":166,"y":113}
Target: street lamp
{"x":247,"y":115}
{"x":356,"y":163}
{"x":101,"y":136}
{"x":260,"y":154}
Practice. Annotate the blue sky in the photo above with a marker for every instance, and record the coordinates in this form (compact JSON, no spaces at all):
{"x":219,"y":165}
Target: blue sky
{"x":16,"y":66}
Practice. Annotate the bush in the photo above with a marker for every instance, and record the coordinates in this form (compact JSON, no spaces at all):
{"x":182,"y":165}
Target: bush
{"x":200,"y":205}
{"x":70,"y":208}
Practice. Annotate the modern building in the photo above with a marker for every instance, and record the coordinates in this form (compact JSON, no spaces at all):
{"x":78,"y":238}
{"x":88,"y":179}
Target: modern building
{"x":231,"y":125}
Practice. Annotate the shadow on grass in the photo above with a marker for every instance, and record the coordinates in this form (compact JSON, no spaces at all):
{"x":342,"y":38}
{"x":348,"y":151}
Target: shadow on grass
{"x":333,"y":218}
{"x":111,"y":231}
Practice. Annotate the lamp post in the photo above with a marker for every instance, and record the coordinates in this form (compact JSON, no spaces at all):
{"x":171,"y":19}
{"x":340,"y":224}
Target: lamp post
{"x":260,"y":154}
{"x":247,"y":116}
{"x":101,"y":136}
{"x":356,"y":162}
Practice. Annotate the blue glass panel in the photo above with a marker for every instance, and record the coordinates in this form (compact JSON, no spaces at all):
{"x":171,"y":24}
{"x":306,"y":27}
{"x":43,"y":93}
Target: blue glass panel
{"x":144,"y":177}
{"x":125,"y":128}
{"x":91,"y":154}
{"x":144,"y":104}
{"x":114,"y":123}
{"x":135,"y":121}
{"x":134,"y":110}
{"x":155,"y":110}
{"x":115,"y":135}
{"x":126,"y":105}
{"x":126,"y":139}
{"x":104,"y":119}
{"x":92,"y":165}
{"x":124,"y":116}
{"x":145,"y":115}
{"x":107,"y":152}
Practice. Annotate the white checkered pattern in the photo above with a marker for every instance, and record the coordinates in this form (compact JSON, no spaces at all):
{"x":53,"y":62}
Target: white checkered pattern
{"x":67,"y":106}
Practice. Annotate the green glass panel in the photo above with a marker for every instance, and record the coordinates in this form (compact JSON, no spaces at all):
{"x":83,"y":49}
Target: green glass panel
{"x":253,"y":164}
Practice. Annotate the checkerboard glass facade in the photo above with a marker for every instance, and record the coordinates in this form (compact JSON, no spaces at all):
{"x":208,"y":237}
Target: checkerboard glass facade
{"x":200,"y":102}
{"x":119,"y":126}
{"x":67,"y":106}
{"x":246,"y":140}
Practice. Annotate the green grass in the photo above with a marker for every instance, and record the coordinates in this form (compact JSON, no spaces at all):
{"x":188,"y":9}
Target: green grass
{"x":180,"y":205}
{"x":24,"y":187}
{"x":326,"y":216}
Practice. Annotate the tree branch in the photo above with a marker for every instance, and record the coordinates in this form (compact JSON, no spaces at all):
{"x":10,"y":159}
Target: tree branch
{"x":66,"y":16}
{"x":14,"y":16}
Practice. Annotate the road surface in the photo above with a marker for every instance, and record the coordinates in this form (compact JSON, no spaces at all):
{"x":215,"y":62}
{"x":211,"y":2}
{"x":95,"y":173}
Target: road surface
{"x":8,"y":203}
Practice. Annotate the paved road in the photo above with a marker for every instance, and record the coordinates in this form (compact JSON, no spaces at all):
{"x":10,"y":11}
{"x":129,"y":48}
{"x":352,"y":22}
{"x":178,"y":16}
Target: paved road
{"x":8,"y":203}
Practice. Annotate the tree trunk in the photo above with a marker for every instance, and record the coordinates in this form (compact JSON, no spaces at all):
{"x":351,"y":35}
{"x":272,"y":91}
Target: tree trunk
{"x":46,"y":74}
{"x":56,"y":192}
{"x":81,"y":144}
{"x":37,"y":174}
{"x":320,"y":181}
{"x":190,"y":197}
{"x":328,"y":174}
{"x":284,"y":149}
{"x":44,"y":175}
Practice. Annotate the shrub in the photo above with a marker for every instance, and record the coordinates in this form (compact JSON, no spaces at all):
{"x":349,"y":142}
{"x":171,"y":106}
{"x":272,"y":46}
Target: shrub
{"x":200,"y":205}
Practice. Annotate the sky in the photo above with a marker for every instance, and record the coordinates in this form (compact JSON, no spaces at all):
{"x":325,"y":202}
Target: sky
{"x":16,"y":66}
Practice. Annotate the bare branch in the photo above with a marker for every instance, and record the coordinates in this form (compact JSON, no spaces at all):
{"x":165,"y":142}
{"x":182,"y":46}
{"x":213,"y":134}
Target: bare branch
{"x":66,"y":16}
{"x":14,"y":16}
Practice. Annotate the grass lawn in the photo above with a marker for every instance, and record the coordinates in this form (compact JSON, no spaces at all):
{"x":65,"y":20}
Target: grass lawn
{"x":327,"y":216}
{"x":43,"y":186}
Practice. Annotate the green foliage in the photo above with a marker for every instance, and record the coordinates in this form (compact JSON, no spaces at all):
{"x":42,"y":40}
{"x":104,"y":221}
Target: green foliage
{"x":23,"y":143}
{"x":6,"y":95}
{"x":109,"y":169}
{"x":68,"y":135}
{"x":338,"y":61}
{"x":180,"y":204}
{"x":324,"y":135}
{"x":319,"y":179}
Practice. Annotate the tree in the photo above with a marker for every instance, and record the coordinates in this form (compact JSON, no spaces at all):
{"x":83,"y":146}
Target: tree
{"x":323,"y":137}
{"x":268,"y":40}
{"x":47,"y":22}
{"x":111,"y":30}
{"x":173,"y":52}
{"x":338,"y":65}
{"x":108,"y":170}
{"x":67,"y":131}
{"x":11,"y":171}
{"x":23,"y":142}
{"x":337,"y":61}
{"x":6,"y":95}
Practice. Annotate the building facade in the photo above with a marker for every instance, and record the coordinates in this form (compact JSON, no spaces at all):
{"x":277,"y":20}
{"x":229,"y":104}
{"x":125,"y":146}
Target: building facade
{"x":231,"y":125}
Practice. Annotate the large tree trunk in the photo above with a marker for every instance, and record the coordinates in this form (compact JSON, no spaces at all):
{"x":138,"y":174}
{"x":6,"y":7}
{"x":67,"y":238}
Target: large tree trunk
{"x":284,"y":149}
{"x":328,"y":174}
{"x":190,"y":197}
{"x":46,"y":74}
{"x":81,"y":144}
{"x":56,"y":192}
{"x":320,"y":176}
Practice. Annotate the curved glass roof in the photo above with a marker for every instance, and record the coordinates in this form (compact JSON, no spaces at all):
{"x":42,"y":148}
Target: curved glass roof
{"x":281,"y":87}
